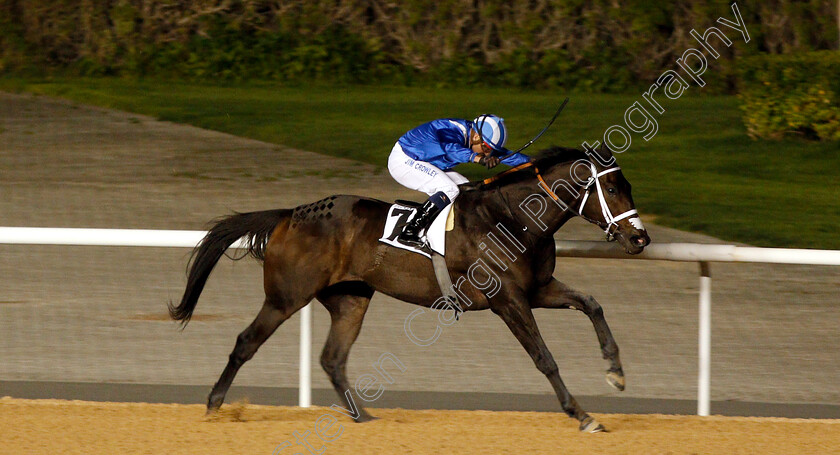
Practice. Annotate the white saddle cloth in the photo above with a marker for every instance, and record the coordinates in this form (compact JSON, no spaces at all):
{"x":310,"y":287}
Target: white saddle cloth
{"x":399,"y":215}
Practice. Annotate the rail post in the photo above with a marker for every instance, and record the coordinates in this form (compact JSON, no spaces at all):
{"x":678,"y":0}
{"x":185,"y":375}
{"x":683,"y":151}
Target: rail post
{"x":305,"y":380}
{"x":705,"y":341}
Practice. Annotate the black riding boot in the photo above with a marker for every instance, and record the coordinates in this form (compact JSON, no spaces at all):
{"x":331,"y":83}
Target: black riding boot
{"x":411,"y":233}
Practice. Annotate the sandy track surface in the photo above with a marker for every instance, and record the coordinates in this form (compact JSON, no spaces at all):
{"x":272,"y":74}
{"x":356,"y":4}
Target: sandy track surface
{"x":78,"y":427}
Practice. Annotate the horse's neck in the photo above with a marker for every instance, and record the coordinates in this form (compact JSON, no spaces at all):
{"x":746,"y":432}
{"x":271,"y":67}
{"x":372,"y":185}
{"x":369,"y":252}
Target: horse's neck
{"x":505,"y":201}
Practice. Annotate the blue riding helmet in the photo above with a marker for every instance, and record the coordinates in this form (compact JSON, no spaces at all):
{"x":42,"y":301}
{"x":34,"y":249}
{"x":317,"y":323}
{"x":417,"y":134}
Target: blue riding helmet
{"x":492,"y":130}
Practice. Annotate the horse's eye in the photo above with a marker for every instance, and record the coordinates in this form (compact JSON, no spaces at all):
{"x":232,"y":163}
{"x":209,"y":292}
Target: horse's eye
{"x":611,"y":190}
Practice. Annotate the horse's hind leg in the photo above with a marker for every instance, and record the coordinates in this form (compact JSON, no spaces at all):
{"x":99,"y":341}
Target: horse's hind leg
{"x":557,"y":295}
{"x":347,"y":303}
{"x":520,"y":320}
{"x":269,"y":318}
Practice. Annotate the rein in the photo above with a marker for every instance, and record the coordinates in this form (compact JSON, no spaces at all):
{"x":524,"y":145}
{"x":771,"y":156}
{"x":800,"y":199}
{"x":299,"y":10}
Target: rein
{"x":519,"y":168}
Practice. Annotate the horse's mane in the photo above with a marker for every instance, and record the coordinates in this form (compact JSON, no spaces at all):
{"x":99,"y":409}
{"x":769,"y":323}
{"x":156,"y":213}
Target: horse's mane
{"x":556,"y":155}
{"x":542,"y":160}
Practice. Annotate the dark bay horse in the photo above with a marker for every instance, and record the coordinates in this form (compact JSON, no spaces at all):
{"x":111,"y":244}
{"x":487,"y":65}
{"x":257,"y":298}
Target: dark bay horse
{"x":329,"y":250}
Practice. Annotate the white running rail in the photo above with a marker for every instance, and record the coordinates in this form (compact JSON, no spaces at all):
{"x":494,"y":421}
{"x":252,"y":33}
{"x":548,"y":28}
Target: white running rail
{"x":703,"y":254}
{"x":156,"y":238}
{"x":683,"y":252}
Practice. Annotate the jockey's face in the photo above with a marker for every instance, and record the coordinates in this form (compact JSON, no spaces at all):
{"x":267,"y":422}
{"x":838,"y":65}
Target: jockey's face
{"x":478,"y":146}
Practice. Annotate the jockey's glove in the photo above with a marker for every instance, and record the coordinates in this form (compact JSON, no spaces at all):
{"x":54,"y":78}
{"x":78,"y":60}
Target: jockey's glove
{"x":488,"y":161}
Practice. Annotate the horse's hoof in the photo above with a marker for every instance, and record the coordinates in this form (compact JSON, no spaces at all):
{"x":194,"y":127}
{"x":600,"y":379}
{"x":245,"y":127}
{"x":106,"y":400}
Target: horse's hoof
{"x":616,"y":379}
{"x":591,"y":425}
{"x":366,"y":418}
{"x":213,"y":415}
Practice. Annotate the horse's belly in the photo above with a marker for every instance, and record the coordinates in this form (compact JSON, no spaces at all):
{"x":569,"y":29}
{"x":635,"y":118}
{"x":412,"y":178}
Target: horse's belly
{"x":410,"y":277}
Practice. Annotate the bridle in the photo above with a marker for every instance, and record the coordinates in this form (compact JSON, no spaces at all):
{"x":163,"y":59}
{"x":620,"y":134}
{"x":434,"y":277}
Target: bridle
{"x":610,"y":222}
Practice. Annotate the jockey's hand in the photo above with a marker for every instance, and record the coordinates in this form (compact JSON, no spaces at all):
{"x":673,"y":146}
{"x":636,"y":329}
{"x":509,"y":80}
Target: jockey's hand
{"x":489,"y":161}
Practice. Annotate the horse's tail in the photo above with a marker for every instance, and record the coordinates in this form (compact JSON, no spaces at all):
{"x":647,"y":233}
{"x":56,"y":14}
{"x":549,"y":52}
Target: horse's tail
{"x":254,"y":227}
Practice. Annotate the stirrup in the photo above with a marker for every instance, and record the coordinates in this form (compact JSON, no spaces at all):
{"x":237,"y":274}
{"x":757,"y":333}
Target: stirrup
{"x":417,"y":241}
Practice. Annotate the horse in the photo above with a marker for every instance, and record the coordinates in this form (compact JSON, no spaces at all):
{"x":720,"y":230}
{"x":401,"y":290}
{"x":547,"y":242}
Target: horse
{"x":330,"y":250}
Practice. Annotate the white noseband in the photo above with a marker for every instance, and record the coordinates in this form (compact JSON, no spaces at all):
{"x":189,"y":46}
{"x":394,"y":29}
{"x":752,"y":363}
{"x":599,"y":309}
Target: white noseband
{"x":605,"y":209}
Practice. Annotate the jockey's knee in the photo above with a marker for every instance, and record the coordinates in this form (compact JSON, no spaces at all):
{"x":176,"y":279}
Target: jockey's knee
{"x":448,"y":194}
{"x":441,"y":199}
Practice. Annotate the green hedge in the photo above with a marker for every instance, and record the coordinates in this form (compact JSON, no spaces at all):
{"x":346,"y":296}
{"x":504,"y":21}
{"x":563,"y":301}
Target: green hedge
{"x":791,"y":94}
{"x":595,"y":45}
{"x":229,"y":54}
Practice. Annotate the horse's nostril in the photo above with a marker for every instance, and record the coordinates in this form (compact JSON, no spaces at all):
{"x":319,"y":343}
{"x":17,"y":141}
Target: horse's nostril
{"x":638,"y":240}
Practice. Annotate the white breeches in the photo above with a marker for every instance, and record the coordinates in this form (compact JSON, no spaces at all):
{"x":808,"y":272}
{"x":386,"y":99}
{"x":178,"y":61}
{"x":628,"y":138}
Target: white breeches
{"x":422,"y":176}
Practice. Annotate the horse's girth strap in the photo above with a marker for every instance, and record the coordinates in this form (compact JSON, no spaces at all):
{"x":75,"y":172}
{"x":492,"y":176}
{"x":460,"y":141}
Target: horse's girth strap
{"x":443,"y":278}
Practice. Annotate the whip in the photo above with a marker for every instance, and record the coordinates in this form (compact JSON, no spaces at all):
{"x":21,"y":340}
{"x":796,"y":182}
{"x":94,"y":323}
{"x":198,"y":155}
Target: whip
{"x":560,"y":109}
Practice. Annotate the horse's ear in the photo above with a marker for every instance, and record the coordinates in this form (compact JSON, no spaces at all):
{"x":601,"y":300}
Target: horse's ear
{"x":604,"y":153}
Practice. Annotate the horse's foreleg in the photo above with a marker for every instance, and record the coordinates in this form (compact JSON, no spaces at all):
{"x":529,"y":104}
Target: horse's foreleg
{"x":557,"y":295}
{"x":247,"y":343}
{"x":520,"y":320}
{"x":347,"y":313}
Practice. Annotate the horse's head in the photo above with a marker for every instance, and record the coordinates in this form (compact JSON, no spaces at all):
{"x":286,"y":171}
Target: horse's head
{"x":586,"y":184}
{"x":606,"y":201}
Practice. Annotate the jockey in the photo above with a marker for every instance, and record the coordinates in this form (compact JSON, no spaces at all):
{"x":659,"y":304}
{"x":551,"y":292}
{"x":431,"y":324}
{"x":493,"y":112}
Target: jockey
{"x":422,"y":158}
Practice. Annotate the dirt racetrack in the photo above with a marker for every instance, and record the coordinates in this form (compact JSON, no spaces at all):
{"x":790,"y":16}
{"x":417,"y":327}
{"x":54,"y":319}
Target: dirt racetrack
{"x":78,"y":427}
